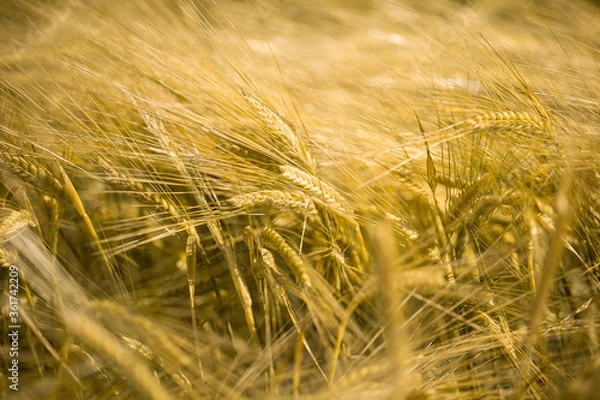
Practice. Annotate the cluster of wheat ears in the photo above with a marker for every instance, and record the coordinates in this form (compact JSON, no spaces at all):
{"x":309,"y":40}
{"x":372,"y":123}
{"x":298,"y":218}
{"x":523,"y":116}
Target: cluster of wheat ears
{"x":273,"y":199}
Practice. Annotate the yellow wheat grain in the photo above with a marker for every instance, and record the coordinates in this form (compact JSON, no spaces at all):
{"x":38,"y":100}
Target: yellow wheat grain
{"x":277,"y":243}
{"x":12,"y":223}
{"x":277,"y":126}
{"x":507,"y":119}
{"x":275,"y":279}
{"x":545,"y":221}
{"x":30,"y":172}
{"x":278,"y":200}
{"x":322,"y":191}
{"x":267,"y":260}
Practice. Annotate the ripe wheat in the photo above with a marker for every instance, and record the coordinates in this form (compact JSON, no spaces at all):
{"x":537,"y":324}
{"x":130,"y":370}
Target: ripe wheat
{"x":427,"y":227}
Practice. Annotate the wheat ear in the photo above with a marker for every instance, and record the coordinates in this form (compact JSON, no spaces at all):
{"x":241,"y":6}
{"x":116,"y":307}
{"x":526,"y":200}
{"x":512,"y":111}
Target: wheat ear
{"x":30,"y":171}
{"x":275,"y":280}
{"x":276,"y":126}
{"x":13,"y":223}
{"x":506,"y":119}
{"x":322,"y":191}
{"x":277,"y":243}
{"x":275,"y":199}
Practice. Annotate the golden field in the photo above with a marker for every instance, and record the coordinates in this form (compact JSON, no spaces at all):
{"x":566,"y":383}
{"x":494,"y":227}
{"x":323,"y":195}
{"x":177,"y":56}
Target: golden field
{"x":282,"y":199}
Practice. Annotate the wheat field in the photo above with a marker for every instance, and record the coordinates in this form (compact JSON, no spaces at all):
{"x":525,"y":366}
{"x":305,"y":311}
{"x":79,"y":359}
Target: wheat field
{"x":371,"y":199}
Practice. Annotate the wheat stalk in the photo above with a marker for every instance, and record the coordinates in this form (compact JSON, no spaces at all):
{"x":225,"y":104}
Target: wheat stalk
{"x":149,"y":107}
